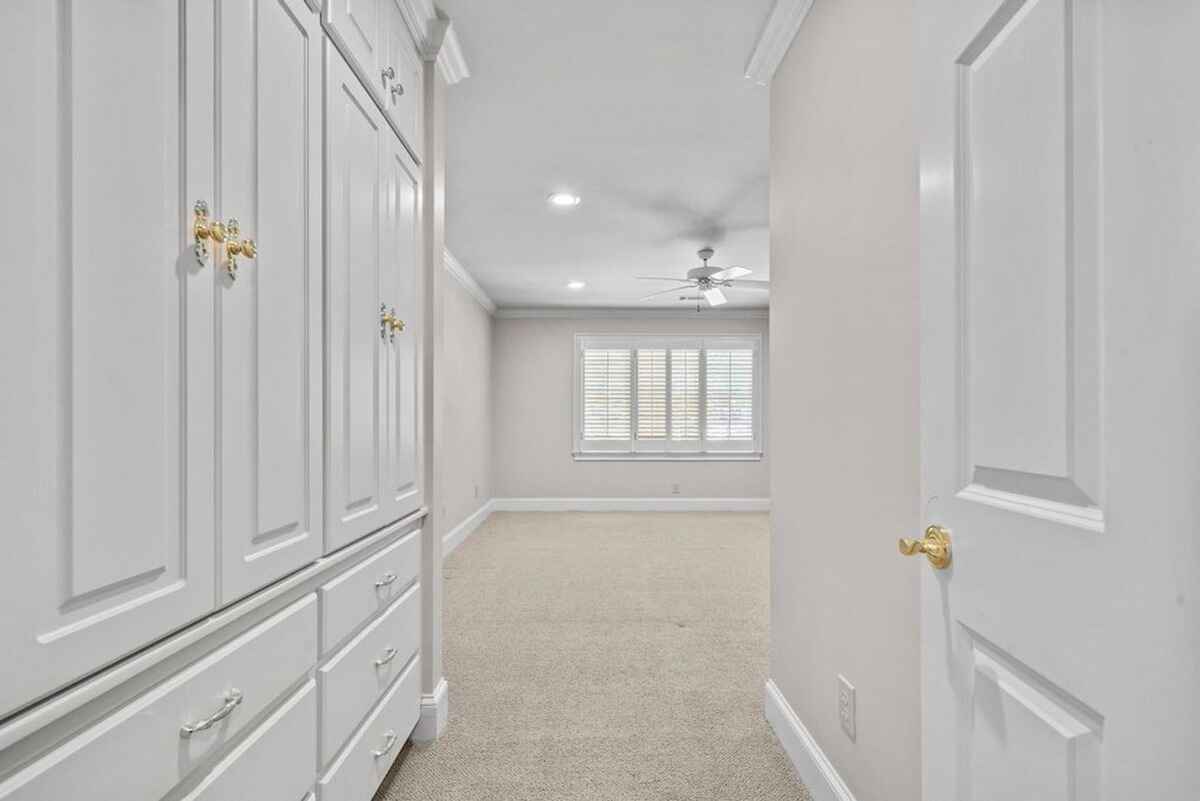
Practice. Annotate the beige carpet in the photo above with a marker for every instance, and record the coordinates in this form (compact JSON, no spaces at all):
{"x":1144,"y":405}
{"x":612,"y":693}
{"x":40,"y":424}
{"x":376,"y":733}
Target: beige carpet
{"x":608,"y":657}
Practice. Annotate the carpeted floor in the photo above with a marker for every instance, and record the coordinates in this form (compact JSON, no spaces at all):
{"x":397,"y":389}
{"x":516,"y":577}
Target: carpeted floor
{"x":607,"y":657}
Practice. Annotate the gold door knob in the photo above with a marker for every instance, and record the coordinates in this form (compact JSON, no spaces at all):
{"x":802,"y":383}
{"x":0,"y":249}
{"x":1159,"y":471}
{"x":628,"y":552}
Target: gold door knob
{"x":935,"y":545}
{"x":397,"y":324}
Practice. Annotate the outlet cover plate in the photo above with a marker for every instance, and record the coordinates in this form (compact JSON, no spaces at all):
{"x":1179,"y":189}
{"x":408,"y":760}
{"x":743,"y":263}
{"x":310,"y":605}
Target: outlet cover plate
{"x":846,"y":707}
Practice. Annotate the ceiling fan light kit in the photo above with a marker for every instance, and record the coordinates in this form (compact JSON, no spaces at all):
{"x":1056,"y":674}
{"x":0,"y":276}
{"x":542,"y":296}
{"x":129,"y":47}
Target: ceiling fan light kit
{"x":707,"y":281}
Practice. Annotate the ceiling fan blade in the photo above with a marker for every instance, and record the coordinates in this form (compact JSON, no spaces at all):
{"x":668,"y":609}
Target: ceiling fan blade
{"x":662,"y":278}
{"x":743,"y":284}
{"x":730,"y":272}
{"x":670,"y":291}
{"x":715,"y":297}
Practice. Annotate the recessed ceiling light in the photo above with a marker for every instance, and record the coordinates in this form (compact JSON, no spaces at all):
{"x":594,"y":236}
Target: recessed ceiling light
{"x":576,"y":285}
{"x":564,"y":200}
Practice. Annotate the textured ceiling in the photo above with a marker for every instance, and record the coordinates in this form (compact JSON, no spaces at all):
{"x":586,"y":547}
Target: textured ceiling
{"x":640,"y":108}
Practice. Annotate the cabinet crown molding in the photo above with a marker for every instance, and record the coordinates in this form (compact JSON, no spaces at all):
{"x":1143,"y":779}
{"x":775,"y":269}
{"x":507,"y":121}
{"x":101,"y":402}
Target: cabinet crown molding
{"x":782,"y":26}
{"x":434,"y":34}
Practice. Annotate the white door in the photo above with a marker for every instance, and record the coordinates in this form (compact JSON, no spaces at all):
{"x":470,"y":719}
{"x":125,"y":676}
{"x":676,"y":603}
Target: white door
{"x":402,"y":95}
{"x":106,"y":316}
{"x":1061,"y":398}
{"x":401,"y":255}
{"x":361,"y":27}
{"x":354,"y":295}
{"x":269,"y":306}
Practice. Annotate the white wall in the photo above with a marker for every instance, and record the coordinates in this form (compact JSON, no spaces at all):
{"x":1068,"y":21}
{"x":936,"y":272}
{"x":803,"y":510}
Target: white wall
{"x":465,"y":405}
{"x":844,"y":429}
{"x":532,"y":374}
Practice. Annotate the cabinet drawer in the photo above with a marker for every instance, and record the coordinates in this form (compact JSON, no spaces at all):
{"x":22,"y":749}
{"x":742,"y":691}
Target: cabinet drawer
{"x":140,"y":752}
{"x":362,"y":591}
{"x":269,"y":765}
{"x":364,"y":763}
{"x":352,"y":681}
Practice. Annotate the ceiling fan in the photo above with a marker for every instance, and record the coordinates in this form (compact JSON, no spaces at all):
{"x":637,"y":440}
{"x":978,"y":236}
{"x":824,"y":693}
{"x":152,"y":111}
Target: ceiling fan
{"x":708,"y":281}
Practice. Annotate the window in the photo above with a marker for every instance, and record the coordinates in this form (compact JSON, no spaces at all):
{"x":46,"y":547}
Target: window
{"x":668,"y":397}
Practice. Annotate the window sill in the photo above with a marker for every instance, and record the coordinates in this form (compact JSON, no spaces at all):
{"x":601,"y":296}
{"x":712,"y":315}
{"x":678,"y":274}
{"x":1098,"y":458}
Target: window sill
{"x":625,"y":456}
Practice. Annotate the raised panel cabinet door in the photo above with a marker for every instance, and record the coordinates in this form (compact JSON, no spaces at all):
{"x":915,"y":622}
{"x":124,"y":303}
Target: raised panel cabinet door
{"x":401,"y":255}
{"x":106,"y":320}
{"x":268,"y":307}
{"x":356,"y":336}
{"x":402,"y":96}
{"x":360,"y":27}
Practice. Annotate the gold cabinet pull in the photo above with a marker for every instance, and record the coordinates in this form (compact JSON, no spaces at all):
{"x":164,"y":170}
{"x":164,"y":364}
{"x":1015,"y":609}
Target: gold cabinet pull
{"x":203,"y":230}
{"x":398,"y":325}
{"x":935,"y":545}
{"x":235,"y":246}
{"x":385,"y":322}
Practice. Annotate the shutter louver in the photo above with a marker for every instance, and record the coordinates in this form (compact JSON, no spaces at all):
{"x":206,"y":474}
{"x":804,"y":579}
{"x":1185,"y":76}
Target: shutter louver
{"x":607,"y":401}
{"x":685,"y":394}
{"x":729,"y":395}
{"x":651,"y":394}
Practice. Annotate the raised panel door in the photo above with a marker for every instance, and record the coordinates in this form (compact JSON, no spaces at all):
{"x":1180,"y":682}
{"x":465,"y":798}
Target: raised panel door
{"x":268,"y":307}
{"x":106,"y":317}
{"x":360,"y":27}
{"x":401,"y":256}
{"x":402,"y":95}
{"x":354,"y":293}
{"x":1059,"y":400}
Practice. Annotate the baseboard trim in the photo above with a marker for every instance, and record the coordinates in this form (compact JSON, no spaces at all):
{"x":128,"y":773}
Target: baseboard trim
{"x":435,"y":709}
{"x":458,"y":535}
{"x":631,"y":504}
{"x":810,"y":762}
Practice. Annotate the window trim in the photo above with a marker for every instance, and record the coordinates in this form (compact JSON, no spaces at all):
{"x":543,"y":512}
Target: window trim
{"x":622,"y":450}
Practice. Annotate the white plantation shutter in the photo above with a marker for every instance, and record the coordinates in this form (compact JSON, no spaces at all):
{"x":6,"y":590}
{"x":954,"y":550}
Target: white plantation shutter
{"x":651,"y":394}
{"x":685,"y":394}
{"x":729,"y":395}
{"x":607,"y":388}
{"x":667,"y":396}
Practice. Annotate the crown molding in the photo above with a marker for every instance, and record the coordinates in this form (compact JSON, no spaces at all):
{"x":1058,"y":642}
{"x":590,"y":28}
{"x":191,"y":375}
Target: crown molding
{"x":435,"y":37}
{"x":775,"y":39}
{"x":451,"y":61}
{"x":455,"y":268}
{"x":591,"y":313}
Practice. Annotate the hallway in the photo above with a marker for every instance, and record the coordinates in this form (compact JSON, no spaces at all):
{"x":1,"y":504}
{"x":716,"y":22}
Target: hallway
{"x":605,"y":656}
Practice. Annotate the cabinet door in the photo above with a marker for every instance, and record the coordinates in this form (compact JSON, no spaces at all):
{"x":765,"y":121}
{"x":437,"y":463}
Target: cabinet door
{"x":106,"y":316}
{"x":360,"y":29}
{"x":353,"y":295}
{"x":269,"y":307}
{"x":401,"y":255}
{"x":402,"y":95}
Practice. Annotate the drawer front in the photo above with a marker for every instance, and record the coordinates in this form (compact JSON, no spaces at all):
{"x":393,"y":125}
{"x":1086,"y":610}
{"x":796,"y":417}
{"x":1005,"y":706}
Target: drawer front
{"x":139,"y":752}
{"x":362,"y":766}
{"x":352,"y":681}
{"x":368,"y":588}
{"x":269,"y":765}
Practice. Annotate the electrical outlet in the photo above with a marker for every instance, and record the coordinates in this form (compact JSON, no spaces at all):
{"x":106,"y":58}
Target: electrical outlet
{"x":674,"y":489}
{"x":846,"y":711}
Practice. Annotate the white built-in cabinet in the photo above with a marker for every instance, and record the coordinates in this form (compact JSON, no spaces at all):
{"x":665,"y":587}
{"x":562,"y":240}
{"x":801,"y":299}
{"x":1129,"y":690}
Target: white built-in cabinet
{"x":371,"y":253}
{"x":208,"y":318}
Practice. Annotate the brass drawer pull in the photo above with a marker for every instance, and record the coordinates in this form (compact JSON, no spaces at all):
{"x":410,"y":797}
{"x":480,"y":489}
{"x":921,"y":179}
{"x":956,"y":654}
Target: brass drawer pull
{"x":233,"y":700}
{"x":389,"y":654}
